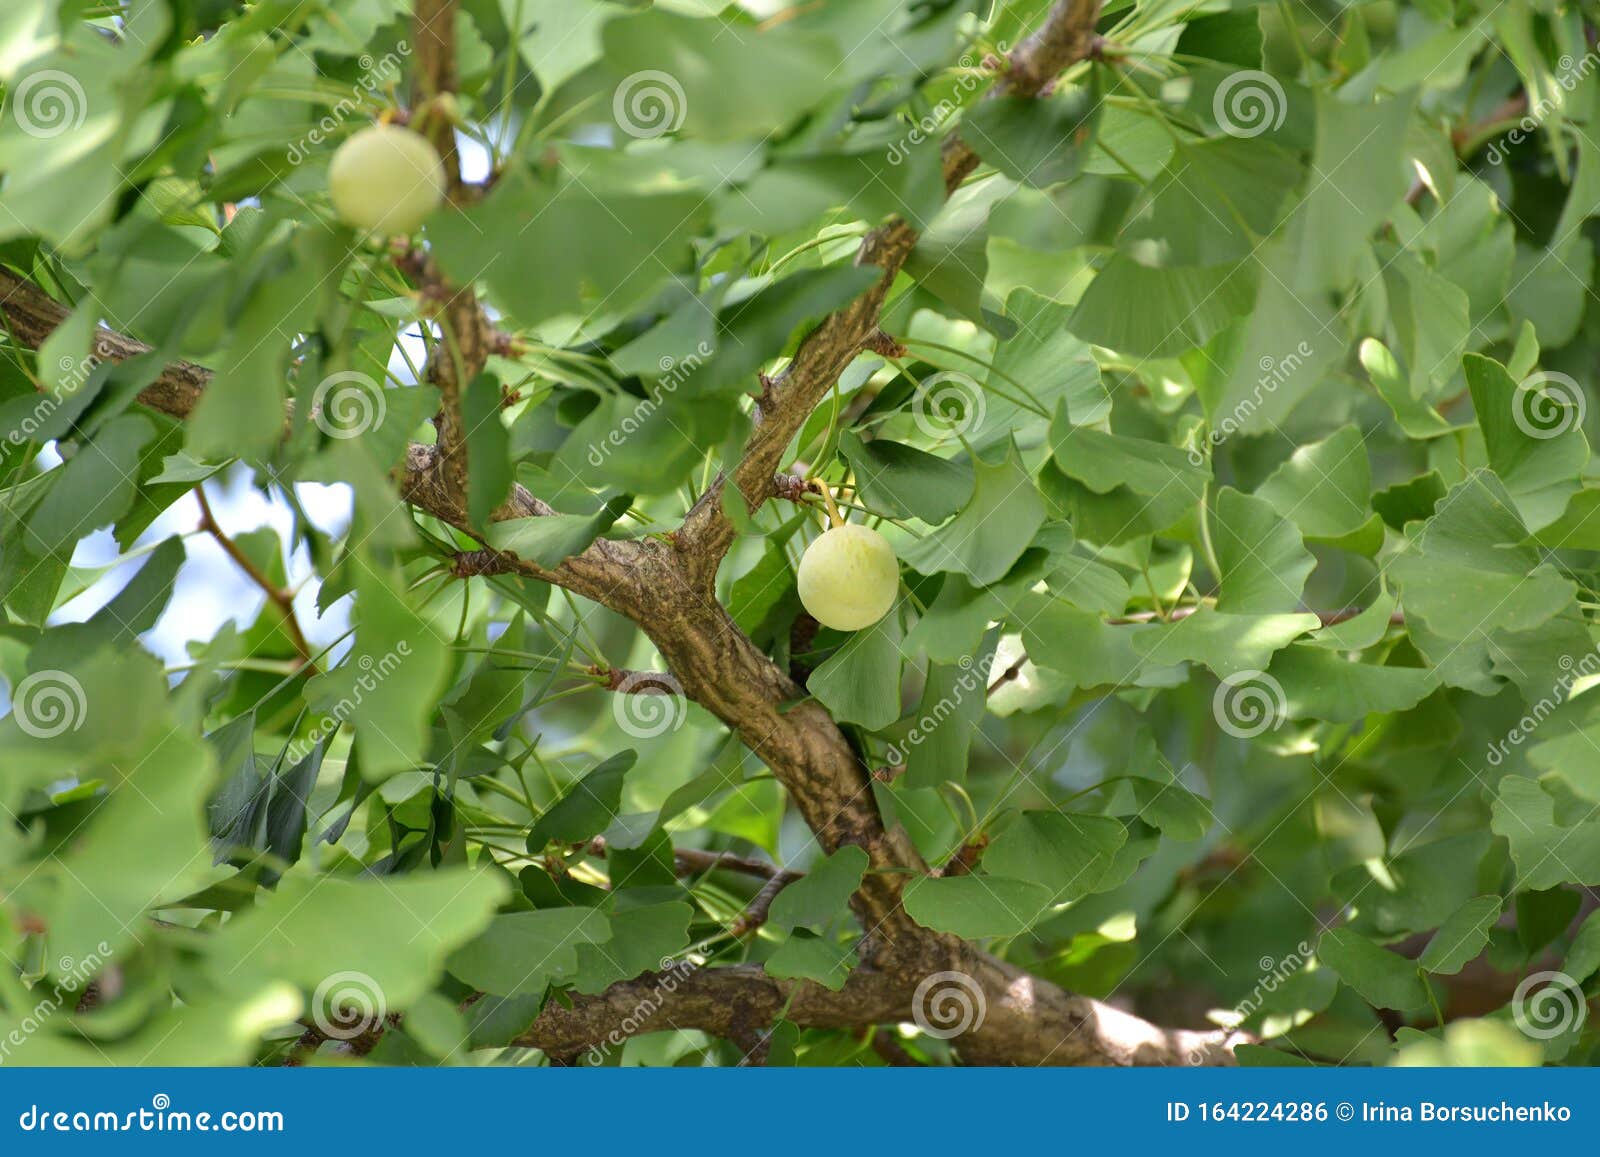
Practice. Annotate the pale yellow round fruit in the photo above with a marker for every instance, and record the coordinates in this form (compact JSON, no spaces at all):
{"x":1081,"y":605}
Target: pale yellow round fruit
{"x":386,"y":179}
{"x":849,"y":577}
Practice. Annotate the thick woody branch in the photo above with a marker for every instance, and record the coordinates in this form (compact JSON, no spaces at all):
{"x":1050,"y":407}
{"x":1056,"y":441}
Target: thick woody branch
{"x":1005,"y":1017}
{"x":737,"y":1002}
{"x":434,"y":24}
{"x":1066,"y":37}
{"x":601,"y":572}
{"x":466,"y":335}
{"x":665,"y":587}
{"x":732,"y":1003}
{"x":33,"y":315}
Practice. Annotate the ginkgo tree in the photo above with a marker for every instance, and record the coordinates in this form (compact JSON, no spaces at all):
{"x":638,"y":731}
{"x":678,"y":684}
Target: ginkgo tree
{"x":874,"y":532}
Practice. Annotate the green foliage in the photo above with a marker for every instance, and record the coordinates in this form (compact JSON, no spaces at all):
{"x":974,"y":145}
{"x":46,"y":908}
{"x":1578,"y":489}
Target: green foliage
{"x":1229,"y":423}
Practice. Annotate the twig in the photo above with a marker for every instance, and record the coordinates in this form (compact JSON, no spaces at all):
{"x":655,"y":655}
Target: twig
{"x":756,"y":912}
{"x":627,"y":682}
{"x":280,"y":597}
{"x":695,"y":862}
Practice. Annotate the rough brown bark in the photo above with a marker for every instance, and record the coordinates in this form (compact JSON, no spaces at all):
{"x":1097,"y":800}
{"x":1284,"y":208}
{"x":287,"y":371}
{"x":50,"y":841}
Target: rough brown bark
{"x":466,"y":337}
{"x":1066,"y":37}
{"x":667,"y":588}
{"x":731,"y":1002}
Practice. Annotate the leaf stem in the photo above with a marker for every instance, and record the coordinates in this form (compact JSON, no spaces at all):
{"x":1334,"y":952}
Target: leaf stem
{"x":280,"y":597}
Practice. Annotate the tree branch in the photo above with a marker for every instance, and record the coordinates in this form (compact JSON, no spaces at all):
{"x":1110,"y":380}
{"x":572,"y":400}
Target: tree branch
{"x":1066,"y":37}
{"x":626,"y":682}
{"x":466,"y":335}
{"x":666,"y":588}
{"x":694,"y":861}
{"x":726,"y":1002}
{"x":730,"y":1002}
{"x":34,"y":315}
{"x":602,"y":572}
{"x":280,"y":597}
